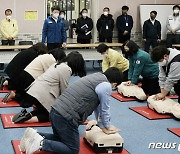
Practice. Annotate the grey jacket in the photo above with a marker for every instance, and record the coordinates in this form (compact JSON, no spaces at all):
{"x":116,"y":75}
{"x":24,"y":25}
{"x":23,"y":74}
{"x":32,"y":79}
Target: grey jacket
{"x":174,"y":72}
{"x":79,"y":100}
{"x":47,"y":87}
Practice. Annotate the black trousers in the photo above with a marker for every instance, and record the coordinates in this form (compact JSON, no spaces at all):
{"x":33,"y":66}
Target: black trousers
{"x":150,"y":86}
{"x":51,"y":46}
{"x":172,"y":39}
{"x":123,"y":38}
{"x":8,"y":42}
{"x":40,"y":111}
{"x":125,"y":75}
{"x":104,"y":39}
{"x":83,"y":41}
{"x":177,"y":90}
{"x":150,"y":42}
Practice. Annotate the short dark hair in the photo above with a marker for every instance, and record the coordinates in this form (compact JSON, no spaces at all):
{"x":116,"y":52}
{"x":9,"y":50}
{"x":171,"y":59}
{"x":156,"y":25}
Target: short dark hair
{"x":84,"y":10}
{"x":102,"y":48}
{"x":8,"y":10}
{"x":106,"y":8}
{"x":41,"y":48}
{"x":55,"y":8}
{"x":125,"y":8}
{"x":133,"y":47}
{"x":62,"y":12}
{"x":76,"y":62}
{"x":176,"y":6}
{"x":58,"y":53}
{"x":154,"y":12}
{"x":114,"y":75}
{"x":158,"y":53}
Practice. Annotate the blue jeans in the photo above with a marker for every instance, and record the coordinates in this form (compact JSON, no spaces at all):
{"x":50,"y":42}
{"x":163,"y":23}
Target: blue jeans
{"x":65,"y":137}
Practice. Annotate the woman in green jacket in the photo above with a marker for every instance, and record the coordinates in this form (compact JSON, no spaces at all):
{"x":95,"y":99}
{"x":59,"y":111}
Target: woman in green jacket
{"x":140,"y":64}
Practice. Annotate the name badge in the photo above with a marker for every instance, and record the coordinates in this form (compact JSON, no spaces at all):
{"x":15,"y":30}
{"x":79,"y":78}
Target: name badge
{"x":126,"y":24}
{"x":107,"y":27}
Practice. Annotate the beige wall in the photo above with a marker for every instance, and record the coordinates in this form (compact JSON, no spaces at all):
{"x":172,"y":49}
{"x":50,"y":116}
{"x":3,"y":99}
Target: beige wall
{"x":19,"y":7}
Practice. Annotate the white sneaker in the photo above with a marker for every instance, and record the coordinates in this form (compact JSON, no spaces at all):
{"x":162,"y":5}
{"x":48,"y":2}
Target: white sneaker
{"x":35,"y":144}
{"x":29,"y":132}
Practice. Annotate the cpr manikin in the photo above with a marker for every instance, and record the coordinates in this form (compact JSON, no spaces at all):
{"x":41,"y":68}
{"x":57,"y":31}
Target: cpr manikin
{"x":164,"y":106}
{"x":100,"y":141}
{"x":131,"y":91}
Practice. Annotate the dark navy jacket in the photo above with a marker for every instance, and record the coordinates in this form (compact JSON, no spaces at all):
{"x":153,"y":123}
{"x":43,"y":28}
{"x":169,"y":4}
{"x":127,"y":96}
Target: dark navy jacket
{"x":152,"y":31}
{"x":54,"y":32}
{"x":121,"y":23}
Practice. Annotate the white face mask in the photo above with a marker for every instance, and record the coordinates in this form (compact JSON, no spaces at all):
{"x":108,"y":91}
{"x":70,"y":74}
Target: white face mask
{"x":163,"y":63}
{"x":8,"y":17}
{"x":176,"y":11}
{"x":84,"y":14}
{"x":62,"y":15}
{"x":105,"y":13}
{"x":105,"y":55}
{"x":55,"y":15}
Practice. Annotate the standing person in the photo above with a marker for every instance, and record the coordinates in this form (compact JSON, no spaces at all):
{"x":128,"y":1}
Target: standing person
{"x":47,"y":87}
{"x":66,"y":22}
{"x":54,"y":31}
{"x":151,"y":31}
{"x":173,"y":26}
{"x":140,"y":63}
{"x":9,"y":29}
{"x":78,"y":101}
{"x":169,"y":65}
{"x":124,"y":25}
{"x":113,"y":58}
{"x":20,"y":61}
{"x":105,"y":26}
{"x":84,"y":27}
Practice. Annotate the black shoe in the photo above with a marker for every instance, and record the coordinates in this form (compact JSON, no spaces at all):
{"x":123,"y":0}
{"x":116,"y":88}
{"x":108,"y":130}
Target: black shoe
{"x":20,"y":114}
{"x":23,"y":118}
{"x":2,"y":79}
{"x":6,"y":97}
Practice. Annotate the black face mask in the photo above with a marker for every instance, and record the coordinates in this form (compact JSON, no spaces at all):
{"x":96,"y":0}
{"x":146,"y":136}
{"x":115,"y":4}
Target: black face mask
{"x":152,"y":18}
{"x":129,"y":54}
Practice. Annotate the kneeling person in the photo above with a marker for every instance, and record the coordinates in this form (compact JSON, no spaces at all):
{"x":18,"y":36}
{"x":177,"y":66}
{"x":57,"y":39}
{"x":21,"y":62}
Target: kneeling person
{"x":74,"y":105}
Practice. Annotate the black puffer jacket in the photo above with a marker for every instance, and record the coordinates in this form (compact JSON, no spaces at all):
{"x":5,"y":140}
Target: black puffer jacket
{"x":105,"y":25}
{"x":84,"y":25}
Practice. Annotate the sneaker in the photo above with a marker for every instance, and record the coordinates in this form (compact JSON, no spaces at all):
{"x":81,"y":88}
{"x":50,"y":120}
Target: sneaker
{"x":23,"y":118}
{"x":35,"y":143}
{"x":29,"y":132}
{"x":16,"y":116}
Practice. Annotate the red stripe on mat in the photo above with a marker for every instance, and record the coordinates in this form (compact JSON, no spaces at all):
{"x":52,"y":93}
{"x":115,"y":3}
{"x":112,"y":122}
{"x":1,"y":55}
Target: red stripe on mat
{"x":122,"y":98}
{"x":149,"y":114}
{"x":173,"y":96}
{"x":84,"y":148}
{"x":10,"y":103}
{"x":7,"y":122}
{"x":175,"y":131}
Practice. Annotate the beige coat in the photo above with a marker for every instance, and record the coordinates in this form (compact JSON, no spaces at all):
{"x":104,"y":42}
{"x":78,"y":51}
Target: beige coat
{"x":40,"y":64}
{"x":47,"y":87}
